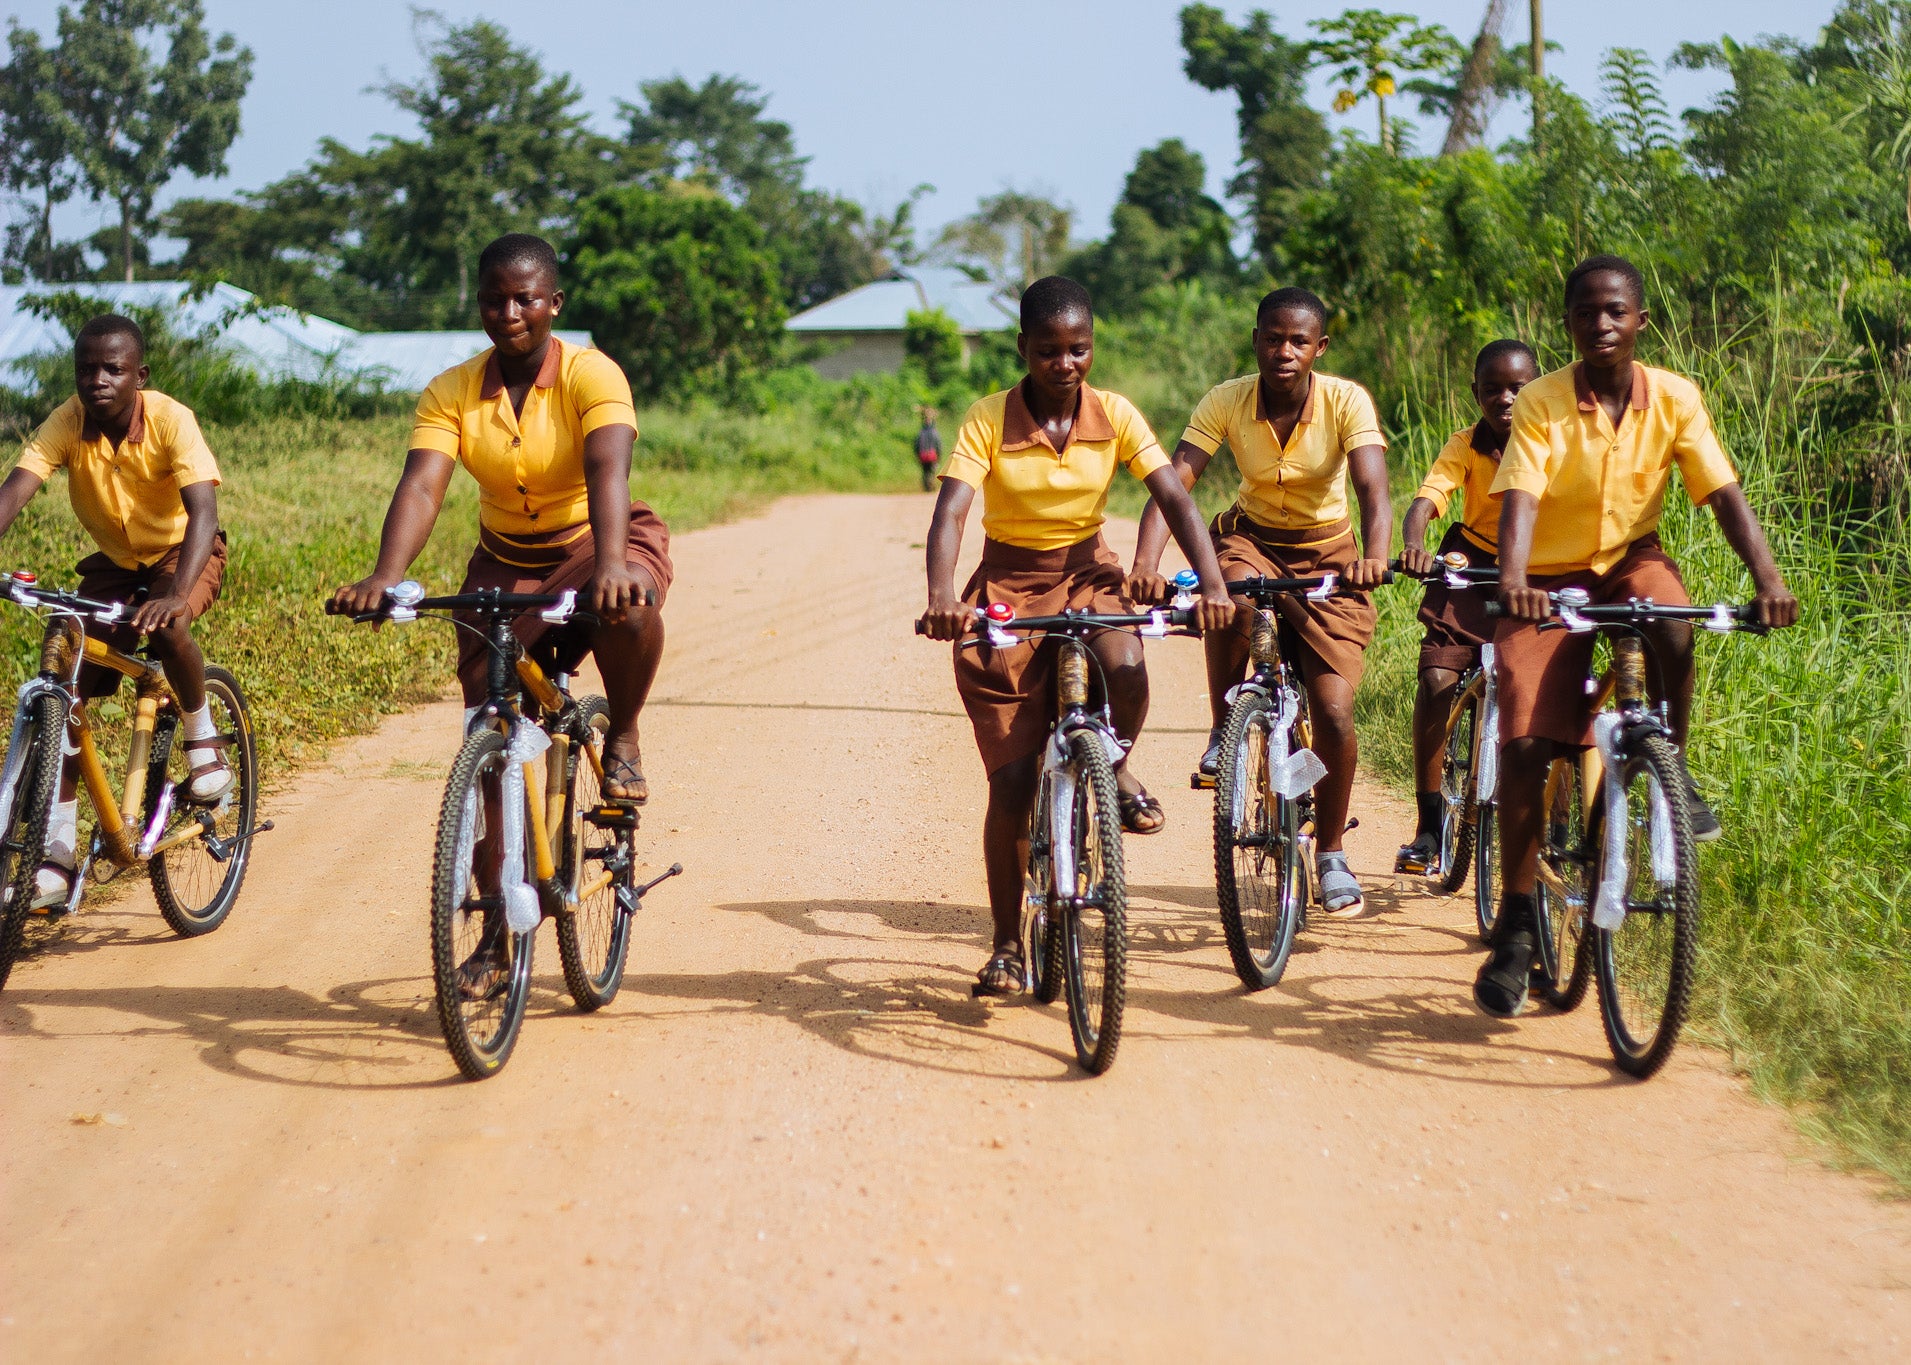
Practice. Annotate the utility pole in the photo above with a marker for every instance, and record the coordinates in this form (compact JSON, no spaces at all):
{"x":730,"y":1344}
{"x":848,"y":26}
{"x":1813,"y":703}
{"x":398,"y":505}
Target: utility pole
{"x":1539,"y":67}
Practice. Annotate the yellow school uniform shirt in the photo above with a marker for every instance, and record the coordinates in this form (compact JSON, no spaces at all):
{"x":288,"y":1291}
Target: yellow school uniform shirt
{"x":1599,"y":489}
{"x":127,"y":499}
{"x":529,"y":466}
{"x":1301,"y":484}
{"x":1467,"y":464}
{"x":1038,"y":497}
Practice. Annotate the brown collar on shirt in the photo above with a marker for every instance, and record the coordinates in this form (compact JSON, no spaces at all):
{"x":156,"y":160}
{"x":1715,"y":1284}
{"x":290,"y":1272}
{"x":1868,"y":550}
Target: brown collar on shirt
{"x":546,"y":373}
{"x":1583,"y":391}
{"x":1020,"y":430}
{"x":1307,"y":404}
{"x":1486,"y":440}
{"x":135,"y":430}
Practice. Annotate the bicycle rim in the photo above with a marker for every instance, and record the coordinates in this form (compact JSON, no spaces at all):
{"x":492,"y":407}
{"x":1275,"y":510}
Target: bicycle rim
{"x":1095,"y":916}
{"x":1486,"y":868}
{"x":195,"y":890}
{"x":1041,"y":945}
{"x":1562,"y":909}
{"x":593,"y":937}
{"x":465,"y":922}
{"x":1457,"y":806}
{"x":1258,"y":886}
{"x":1645,"y":965}
{"x":24,"y":843}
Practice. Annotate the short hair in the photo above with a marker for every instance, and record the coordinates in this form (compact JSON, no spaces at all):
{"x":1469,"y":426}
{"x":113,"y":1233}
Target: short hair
{"x":1496,"y":350}
{"x":1598,"y":265}
{"x":1295,"y":298}
{"x":518,"y":248}
{"x":1052,"y":298}
{"x":110,"y":325}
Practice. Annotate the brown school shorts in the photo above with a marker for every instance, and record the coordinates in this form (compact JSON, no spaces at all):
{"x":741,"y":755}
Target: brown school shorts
{"x":1456,"y":622}
{"x":1542,"y":673}
{"x":1333,"y":635}
{"x":105,"y":581}
{"x":550,"y":569}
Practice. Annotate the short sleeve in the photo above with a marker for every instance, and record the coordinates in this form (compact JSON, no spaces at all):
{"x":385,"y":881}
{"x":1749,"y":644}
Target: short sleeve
{"x":1208,"y":427}
{"x":48,"y":446}
{"x":601,"y":393}
{"x":974,"y":452}
{"x":1528,"y":449}
{"x":438,"y":424}
{"x":1135,"y":444}
{"x":188,"y":457}
{"x":1701,"y":459}
{"x":1359,"y":421}
{"x":1447,"y":474}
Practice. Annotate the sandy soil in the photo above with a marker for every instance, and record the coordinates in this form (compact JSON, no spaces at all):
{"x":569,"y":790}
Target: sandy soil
{"x":795,"y":1137}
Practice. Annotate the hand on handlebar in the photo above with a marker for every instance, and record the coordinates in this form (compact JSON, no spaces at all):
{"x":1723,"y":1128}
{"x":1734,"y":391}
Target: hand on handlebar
{"x":1523,"y":603}
{"x":1214,"y":611}
{"x":947,"y":618}
{"x":1775,"y":606}
{"x":1418,"y":561}
{"x":1364,"y":574}
{"x":613,"y":591}
{"x":1147,"y":589}
{"x":362,"y":598}
{"x":157,"y":613}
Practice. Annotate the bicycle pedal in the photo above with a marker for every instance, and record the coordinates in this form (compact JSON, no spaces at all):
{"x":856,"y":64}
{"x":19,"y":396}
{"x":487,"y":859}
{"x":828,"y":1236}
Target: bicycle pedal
{"x":1201,"y":782}
{"x":613,"y":815}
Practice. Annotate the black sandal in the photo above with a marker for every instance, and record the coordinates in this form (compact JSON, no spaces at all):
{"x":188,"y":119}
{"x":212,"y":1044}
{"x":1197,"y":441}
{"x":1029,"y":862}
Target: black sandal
{"x":624,"y":775}
{"x":1006,"y":964}
{"x":1134,"y":805}
{"x":484,"y":975}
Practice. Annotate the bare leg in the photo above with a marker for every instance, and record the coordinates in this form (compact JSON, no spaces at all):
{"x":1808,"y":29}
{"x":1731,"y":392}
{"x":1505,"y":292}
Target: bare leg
{"x":1330,"y":701}
{"x":185,"y":666}
{"x":627,"y":654}
{"x":1432,"y":702}
{"x":1005,"y":845}
{"x":1523,"y":765}
{"x":1227,"y":657}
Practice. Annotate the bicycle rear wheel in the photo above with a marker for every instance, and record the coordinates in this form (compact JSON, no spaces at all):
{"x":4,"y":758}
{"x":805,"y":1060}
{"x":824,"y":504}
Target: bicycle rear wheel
{"x":1486,"y":868}
{"x":1457,"y":787}
{"x":1259,"y":882}
{"x":1094,"y":910}
{"x":23,"y":836}
{"x":195,"y":886}
{"x":480,"y":1012}
{"x":1041,"y":941}
{"x":597,"y":859}
{"x":1645,"y":965}
{"x":1563,"y":970}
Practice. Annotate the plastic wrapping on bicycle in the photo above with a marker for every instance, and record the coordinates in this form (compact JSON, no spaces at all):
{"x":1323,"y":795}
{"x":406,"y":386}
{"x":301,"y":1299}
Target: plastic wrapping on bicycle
{"x":1325,"y":585}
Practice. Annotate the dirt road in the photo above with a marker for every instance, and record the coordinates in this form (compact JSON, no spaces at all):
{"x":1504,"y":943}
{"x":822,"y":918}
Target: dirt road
{"x":795,"y":1137}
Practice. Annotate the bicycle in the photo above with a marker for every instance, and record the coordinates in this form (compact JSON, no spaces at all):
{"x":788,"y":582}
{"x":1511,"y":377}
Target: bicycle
{"x":1263,"y":794}
{"x":1625,"y":883}
{"x":196,"y":853}
{"x":1469,"y":753}
{"x":1075,"y":903}
{"x":567,"y":854}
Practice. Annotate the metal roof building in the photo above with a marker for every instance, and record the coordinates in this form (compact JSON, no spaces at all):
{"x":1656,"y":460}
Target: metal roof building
{"x":864,"y":327}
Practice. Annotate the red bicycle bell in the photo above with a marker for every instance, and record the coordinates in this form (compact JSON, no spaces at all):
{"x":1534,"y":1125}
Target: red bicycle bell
{"x":999,"y":612}
{"x":26,"y":577}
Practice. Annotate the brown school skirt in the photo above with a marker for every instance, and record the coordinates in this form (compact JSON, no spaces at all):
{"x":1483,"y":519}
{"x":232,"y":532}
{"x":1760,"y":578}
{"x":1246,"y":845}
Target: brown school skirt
{"x":1457,"y":623}
{"x":105,"y":581}
{"x":1009,"y":693}
{"x":1542,"y":674}
{"x":546,"y":568}
{"x":1334,"y":634}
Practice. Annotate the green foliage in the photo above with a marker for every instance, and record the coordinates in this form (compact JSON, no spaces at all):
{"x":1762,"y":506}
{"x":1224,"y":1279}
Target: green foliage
{"x":678,"y":288}
{"x":38,"y":138}
{"x":1013,"y":238}
{"x":1369,"y":50}
{"x":933,"y":341}
{"x":1166,"y":228}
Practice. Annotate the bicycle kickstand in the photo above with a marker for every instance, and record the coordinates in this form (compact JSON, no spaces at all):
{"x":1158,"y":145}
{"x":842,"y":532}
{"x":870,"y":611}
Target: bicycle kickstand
{"x":637,"y":893}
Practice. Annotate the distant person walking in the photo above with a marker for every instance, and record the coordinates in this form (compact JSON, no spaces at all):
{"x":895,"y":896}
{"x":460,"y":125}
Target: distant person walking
{"x":928,"y":448}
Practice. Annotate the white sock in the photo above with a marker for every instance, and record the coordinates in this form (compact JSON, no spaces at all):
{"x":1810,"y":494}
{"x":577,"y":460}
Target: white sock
{"x":199,"y":726}
{"x":63,"y":833}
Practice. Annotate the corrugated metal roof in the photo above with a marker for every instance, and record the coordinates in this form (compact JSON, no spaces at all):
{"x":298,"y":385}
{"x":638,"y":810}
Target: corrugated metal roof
{"x":885,"y":305}
{"x":276,"y":342}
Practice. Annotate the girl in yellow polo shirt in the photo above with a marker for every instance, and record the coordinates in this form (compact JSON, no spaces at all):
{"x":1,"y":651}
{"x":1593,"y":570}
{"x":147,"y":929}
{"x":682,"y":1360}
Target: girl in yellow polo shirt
{"x":1043,"y":455}
{"x":547,"y":431}
{"x":1298,"y":437}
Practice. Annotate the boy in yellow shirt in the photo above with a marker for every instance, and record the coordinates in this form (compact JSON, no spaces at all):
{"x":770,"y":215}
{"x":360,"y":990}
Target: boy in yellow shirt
{"x":141,"y":479}
{"x":1583,"y":482}
{"x":1043,"y":455}
{"x":1298,"y":438}
{"x":1456,"y":622}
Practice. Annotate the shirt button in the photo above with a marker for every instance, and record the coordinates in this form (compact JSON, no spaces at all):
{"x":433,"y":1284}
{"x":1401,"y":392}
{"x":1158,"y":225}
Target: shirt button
{"x":534,"y":516}
{"x":516,"y":441}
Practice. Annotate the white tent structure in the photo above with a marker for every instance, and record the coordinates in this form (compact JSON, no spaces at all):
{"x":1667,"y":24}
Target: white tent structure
{"x":864,"y":328}
{"x":275,"y":342}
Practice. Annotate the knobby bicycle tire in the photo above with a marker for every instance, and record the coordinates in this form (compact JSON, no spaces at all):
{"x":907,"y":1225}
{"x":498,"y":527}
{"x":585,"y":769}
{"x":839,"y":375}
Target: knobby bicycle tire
{"x":196,"y":891}
{"x":1095,"y":921}
{"x":1564,"y":966}
{"x":1486,"y":868}
{"x":24,"y":834}
{"x":1656,"y":944}
{"x":593,"y":935}
{"x":479,"y":1054}
{"x":1459,"y":790}
{"x":1258,"y":879}
{"x":1041,"y":937}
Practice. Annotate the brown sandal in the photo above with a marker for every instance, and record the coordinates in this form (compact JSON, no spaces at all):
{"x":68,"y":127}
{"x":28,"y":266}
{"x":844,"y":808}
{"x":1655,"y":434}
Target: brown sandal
{"x":623,"y":781}
{"x":1002,"y":976}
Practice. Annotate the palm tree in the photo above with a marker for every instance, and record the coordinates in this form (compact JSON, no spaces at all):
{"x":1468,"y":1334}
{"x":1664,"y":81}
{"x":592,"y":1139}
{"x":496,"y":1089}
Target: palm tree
{"x":1369,"y":50}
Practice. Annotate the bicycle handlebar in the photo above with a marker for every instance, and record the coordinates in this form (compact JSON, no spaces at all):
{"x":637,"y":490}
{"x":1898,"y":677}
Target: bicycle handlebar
{"x":405,"y":600}
{"x":1320,"y":585}
{"x":1158,"y":622}
{"x":1454,"y":575}
{"x":22,"y":588}
{"x":1576,"y":614}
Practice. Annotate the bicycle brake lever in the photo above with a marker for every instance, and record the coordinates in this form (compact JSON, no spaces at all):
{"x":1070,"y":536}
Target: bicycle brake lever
{"x":1328,"y":582}
{"x":1157,"y":627}
{"x":560,"y":613}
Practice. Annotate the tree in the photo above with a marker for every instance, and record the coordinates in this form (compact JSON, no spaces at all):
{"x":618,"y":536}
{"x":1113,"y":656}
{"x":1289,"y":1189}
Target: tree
{"x":932,"y":339}
{"x":1284,"y":142}
{"x":1166,"y":229}
{"x":37,"y":139}
{"x":1013,"y":238}
{"x":1368,"y":50}
{"x":1873,"y":39}
{"x":138,"y":119}
{"x":1476,"y":85}
{"x":678,"y":288}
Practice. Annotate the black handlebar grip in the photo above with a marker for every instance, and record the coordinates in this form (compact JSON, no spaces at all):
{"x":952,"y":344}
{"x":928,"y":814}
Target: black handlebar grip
{"x":1493,"y":608}
{"x":921,"y":629}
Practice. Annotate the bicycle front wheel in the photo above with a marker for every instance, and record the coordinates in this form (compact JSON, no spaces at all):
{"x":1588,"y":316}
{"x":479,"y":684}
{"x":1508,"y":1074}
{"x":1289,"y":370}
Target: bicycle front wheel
{"x":1041,"y":940}
{"x":1563,"y":971}
{"x":481,"y":969}
{"x":597,"y":859}
{"x":1259,"y":882}
{"x":1458,"y":808}
{"x":23,"y":839}
{"x":1645,"y":965}
{"x":197,"y":880}
{"x":1486,"y":868}
{"x":1094,"y":908}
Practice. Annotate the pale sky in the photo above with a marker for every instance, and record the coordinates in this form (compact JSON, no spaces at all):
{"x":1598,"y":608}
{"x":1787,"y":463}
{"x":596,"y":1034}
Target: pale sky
{"x":1055,"y":96}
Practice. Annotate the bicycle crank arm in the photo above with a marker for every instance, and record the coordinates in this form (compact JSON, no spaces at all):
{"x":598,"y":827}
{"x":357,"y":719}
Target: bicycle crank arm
{"x":629,"y":898}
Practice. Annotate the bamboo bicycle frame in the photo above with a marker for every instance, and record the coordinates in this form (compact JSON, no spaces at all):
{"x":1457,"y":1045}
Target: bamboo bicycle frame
{"x":546,"y":831}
